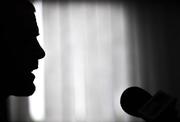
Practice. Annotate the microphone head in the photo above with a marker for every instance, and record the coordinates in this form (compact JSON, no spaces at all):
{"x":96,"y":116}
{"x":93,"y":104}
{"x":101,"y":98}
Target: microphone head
{"x":132,"y":99}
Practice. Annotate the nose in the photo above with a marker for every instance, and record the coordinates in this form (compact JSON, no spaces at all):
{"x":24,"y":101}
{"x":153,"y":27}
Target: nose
{"x":38,"y":51}
{"x":41,"y":53}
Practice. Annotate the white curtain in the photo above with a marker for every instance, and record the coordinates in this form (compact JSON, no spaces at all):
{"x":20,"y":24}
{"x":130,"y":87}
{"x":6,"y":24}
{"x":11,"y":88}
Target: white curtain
{"x":88,"y":61}
{"x":91,"y":58}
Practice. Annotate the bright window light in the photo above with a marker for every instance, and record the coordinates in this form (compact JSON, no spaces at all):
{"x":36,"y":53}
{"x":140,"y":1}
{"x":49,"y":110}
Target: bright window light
{"x":98,"y":46}
{"x":37,"y":109}
{"x":78,"y":26}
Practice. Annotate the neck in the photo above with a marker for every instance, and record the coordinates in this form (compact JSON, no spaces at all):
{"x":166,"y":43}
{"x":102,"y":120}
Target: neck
{"x":3,"y":109}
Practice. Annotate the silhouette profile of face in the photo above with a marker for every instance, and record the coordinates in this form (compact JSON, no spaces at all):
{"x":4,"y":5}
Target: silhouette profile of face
{"x":20,"y":49}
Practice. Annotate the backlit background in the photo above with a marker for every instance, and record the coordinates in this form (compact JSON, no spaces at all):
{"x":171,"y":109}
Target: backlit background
{"x":94,"y":51}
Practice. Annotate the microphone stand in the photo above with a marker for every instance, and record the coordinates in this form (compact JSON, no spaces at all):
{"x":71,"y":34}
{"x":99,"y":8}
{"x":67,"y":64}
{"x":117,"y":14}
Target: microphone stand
{"x":160,"y":108}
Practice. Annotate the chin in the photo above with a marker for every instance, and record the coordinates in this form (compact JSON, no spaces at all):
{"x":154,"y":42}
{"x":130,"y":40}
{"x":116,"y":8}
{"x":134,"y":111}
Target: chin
{"x":24,"y":85}
{"x":24,"y":91}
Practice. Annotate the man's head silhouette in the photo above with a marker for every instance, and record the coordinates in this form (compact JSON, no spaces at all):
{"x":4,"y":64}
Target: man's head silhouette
{"x":20,"y":50}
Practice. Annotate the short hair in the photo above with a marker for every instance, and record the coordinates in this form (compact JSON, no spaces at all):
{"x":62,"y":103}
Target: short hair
{"x":8,"y":5}
{"x":13,"y":13}
{"x":15,"y":8}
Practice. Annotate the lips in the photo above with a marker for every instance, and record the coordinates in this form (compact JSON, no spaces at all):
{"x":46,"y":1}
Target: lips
{"x":30,"y":69}
{"x":28,"y":72}
{"x":32,"y":66}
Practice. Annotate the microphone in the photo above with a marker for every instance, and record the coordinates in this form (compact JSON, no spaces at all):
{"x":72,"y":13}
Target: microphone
{"x":134,"y":98}
{"x":139,"y":103}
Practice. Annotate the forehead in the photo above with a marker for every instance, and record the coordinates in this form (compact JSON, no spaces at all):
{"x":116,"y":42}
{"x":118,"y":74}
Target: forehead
{"x":26,"y":23}
{"x":19,"y":17}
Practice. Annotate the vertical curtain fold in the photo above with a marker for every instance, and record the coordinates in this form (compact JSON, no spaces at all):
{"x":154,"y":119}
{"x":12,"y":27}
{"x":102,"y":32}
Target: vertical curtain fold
{"x":87,"y":61}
